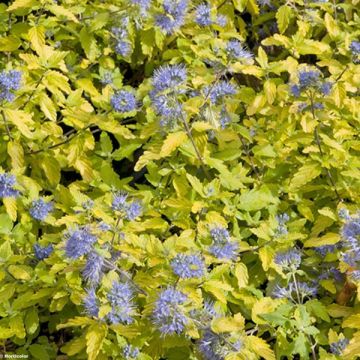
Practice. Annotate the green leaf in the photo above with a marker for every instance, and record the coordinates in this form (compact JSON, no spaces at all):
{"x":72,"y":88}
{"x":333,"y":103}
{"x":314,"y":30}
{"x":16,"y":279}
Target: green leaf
{"x":21,"y":272}
{"x":241,"y":274}
{"x":318,"y":309}
{"x":89,"y":45}
{"x":5,"y":228}
{"x":21,"y":4}
{"x":256,"y":199}
{"x":283,"y":17}
{"x":94,"y":339}
{"x":304,"y":175}
{"x":261,"y":348}
{"x":9,"y":43}
{"x":38,"y":352}
{"x":37,"y":39}
{"x":31,"y":321}
{"x":172,"y":142}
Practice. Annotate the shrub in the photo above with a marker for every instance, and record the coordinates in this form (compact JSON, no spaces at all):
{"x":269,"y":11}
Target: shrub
{"x":179,"y":179}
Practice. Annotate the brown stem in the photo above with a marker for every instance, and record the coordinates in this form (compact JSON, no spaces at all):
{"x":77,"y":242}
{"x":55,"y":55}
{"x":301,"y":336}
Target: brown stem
{"x":188,"y":132}
{"x":63,"y":142}
{"x":6,"y":125}
{"x":318,"y":142}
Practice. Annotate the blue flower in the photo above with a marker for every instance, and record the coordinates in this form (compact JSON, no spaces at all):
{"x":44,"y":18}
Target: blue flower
{"x":133,"y":210}
{"x":290,"y":259}
{"x":9,"y":81}
{"x":338,"y":346}
{"x":202,"y":15}
{"x":174,"y":17}
{"x":122,"y":305}
{"x":308,"y":78}
{"x":123,"y":101}
{"x":43,"y":252}
{"x":236,"y":51}
{"x":122,"y":48}
{"x":292,"y":290}
{"x":326,"y":87}
{"x":40,"y":209}
{"x":351,"y":240}
{"x":107,"y":78}
{"x":282,"y":219}
{"x":119,"y":201}
{"x":168,"y":108}
{"x":355,"y":47}
{"x":295,"y":90}
{"x":188,"y":266}
{"x":225,"y":118}
{"x":143,"y":5}
{"x":221,"y":20}
{"x":79,"y":242}
{"x":130,"y":352}
{"x":169,"y":77}
{"x":93,"y":269}
{"x":168,"y":316}
{"x":217,"y":92}
{"x":325,"y":249}
{"x":222,"y":247}
{"x":7,"y":183}
{"x":216,"y":347}
{"x":91,"y":303}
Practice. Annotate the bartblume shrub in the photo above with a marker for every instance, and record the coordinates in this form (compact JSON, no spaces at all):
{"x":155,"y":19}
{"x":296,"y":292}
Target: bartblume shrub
{"x":179,"y":179}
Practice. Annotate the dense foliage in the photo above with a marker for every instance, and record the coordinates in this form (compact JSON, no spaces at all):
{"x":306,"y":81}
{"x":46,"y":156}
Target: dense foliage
{"x":180,"y":179}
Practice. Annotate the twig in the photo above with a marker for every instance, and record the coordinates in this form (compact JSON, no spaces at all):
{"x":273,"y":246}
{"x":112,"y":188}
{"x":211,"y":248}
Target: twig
{"x":6,"y":125}
{"x":63,"y":142}
{"x":249,"y":157}
{"x":318,"y":142}
{"x":126,"y":275}
{"x":188,"y":132}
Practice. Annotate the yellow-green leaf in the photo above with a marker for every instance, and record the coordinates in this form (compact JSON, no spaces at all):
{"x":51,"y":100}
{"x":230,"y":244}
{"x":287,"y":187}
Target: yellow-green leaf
{"x":94,"y":339}
{"x":261,"y":348}
{"x":9,"y":43}
{"x":47,"y":106}
{"x":22,"y":4}
{"x":172,"y":142}
{"x":21,"y":272}
{"x":37,"y":38}
{"x":304,"y":175}
{"x":16,"y":153}
{"x":283,"y":17}
{"x":242,"y":276}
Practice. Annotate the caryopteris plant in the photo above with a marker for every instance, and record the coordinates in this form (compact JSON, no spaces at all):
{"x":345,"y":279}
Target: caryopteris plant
{"x":179,"y":179}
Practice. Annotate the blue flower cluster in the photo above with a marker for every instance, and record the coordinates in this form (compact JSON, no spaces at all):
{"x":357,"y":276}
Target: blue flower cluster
{"x":216,"y":347}
{"x":168,"y":316}
{"x":91,"y":303}
{"x":289,"y":260}
{"x":203,"y":16}
{"x":40,"y":209}
{"x":173,"y":17}
{"x":293,"y":289}
{"x":310,"y":80}
{"x":143,"y":5}
{"x":326,"y":249}
{"x":223,"y":247}
{"x":9,"y":81}
{"x":351,"y":242}
{"x":282,"y":219}
{"x":188,"y":266}
{"x":79,"y":242}
{"x":168,"y":81}
{"x":355,"y":47}
{"x":123,"y":101}
{"x":43,"y":252}
{"x":122,"y":304}
{"x":338,"y":347}
{"x":236,"y":51}
{"x":7,"y":183}
{"x":217,"y":92}
{"x":130,"y":352}
{"x":93,"y":269}
{"x":122,"y":46}
{"x":131,"y":210}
